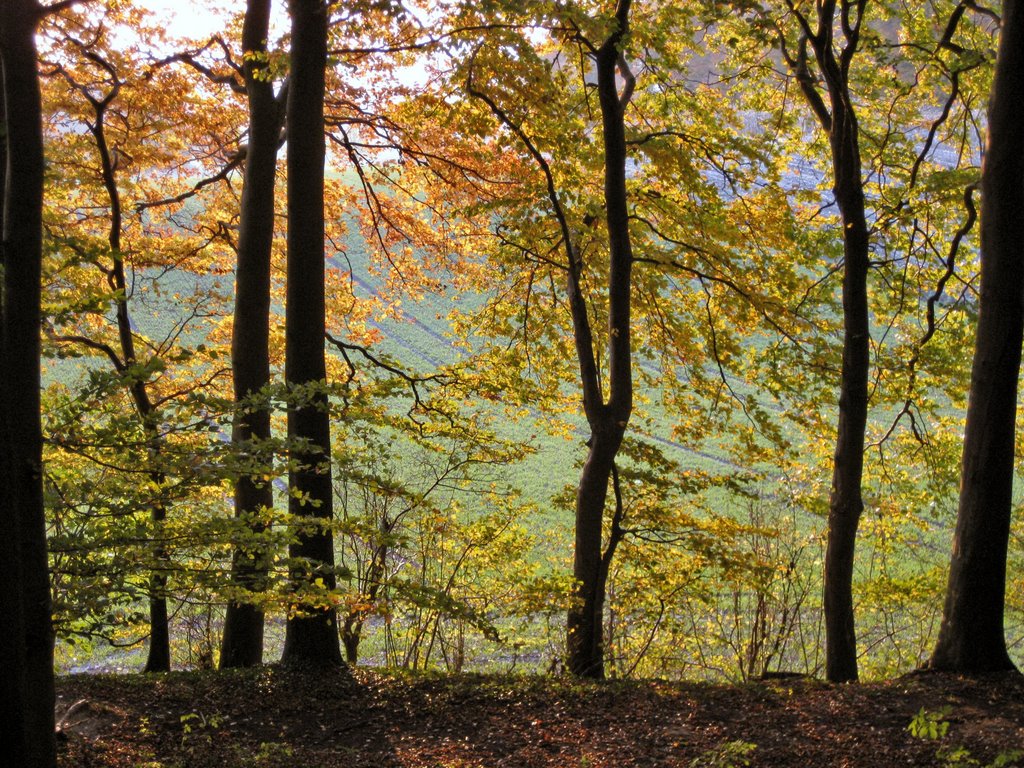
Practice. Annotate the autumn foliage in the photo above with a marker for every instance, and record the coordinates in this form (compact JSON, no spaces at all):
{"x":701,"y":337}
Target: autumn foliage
{"x":571,"y":326}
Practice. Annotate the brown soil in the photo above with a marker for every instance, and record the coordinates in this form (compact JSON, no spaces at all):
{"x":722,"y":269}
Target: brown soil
{"x":277,"y":718}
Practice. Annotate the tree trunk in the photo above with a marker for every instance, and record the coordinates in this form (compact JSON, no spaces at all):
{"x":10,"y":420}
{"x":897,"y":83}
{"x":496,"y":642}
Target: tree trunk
{"x":28,"y":654}
{"x":971,"y":637}
{"x":242,"y":643}
{"x":351,"y":636}
{"x":846,"y":502}
{"x":838,"y":118}
{"x":158,"y":658}
{"x":607,"y":420}
{"x":585,"y":622}
{"x":12,"y":639}
{"x":312,"y":631}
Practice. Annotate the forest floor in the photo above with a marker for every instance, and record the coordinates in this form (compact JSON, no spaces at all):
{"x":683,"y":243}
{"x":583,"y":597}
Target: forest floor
{"x":278,"y":718}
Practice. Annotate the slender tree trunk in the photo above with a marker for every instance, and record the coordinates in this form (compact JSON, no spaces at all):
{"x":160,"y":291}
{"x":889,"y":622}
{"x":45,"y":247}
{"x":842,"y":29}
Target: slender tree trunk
{"x":607,"y":420}
{"x":158,"y":658}
{"x":312,"y":630}
{"x":30,"y":734}
{"x":846,"y":502}
{"x":971,"y":638}
{"x":371,"y":584}
{"x":838,"y":119}
{"x":242,"y":644}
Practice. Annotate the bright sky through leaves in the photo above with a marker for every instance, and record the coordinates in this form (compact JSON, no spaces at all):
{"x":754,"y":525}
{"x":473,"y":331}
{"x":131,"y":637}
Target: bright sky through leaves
{"x":187,"y":18}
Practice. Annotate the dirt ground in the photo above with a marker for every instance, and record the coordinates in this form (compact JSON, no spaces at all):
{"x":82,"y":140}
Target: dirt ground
{"x":278,"y":718}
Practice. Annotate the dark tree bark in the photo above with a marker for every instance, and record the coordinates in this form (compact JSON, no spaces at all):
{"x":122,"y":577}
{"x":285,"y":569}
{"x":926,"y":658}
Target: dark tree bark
{"x":312,"y":630}
{"x":158,"y":657}
{"x":971,"y":637}
{"x":12,"y":639}
{"x":838,"y":118}
{"x":242,"y":643}
{"x":27,"y":733}
{"x":607,"y":419}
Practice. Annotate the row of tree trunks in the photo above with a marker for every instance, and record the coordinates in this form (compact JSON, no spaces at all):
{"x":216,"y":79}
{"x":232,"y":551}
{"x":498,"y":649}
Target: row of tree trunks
{"x":971,"y":638}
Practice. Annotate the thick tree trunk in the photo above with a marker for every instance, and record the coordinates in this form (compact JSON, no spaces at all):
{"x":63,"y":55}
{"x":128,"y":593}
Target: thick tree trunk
{"x":607,"y":420}
{"x":30,"y":733}
{"x":12,"y":639}
{"x":158,"y":657}
{"x":971,"y":638}
{"x":242,"y":644}
{"x":312,"y":630}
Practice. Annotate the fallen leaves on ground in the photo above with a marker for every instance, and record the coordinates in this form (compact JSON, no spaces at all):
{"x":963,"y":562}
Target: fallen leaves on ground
{"x":274,"y":717}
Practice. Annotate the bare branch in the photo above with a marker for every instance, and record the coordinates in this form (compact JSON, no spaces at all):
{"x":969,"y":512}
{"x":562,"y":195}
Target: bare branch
{"x":96,"y":346}
{"x":46,"y":10}
{"x":414,"y":382}
{"x":221,"y":175}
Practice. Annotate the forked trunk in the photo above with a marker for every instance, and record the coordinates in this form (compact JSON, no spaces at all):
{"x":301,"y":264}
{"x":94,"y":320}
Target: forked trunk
{"x":586,"y":618}
{"x":607,"y":419}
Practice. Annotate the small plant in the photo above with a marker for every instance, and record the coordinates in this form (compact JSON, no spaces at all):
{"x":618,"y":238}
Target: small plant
{"x":273,"y":753}
{"x":730,"y":754}
{"x":961,"y":757}
{"x":930,"y":724}
{"x":933,"y":725}
{"x":1008,"y":759}
{"x":195,"y":723}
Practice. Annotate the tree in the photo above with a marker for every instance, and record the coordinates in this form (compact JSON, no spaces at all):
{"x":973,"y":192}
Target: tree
{"x":27,"y":731}
{"x":575,"y":255}
{"x":242,"y":643}
{"x":312,"y":629}
{"x":133,"y":370}
{"x":889,"y":199}
{"x":971,"y":638}
{"x":133,"y":286}
{"x":837,"y":117}
{"x":607,"y":415}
